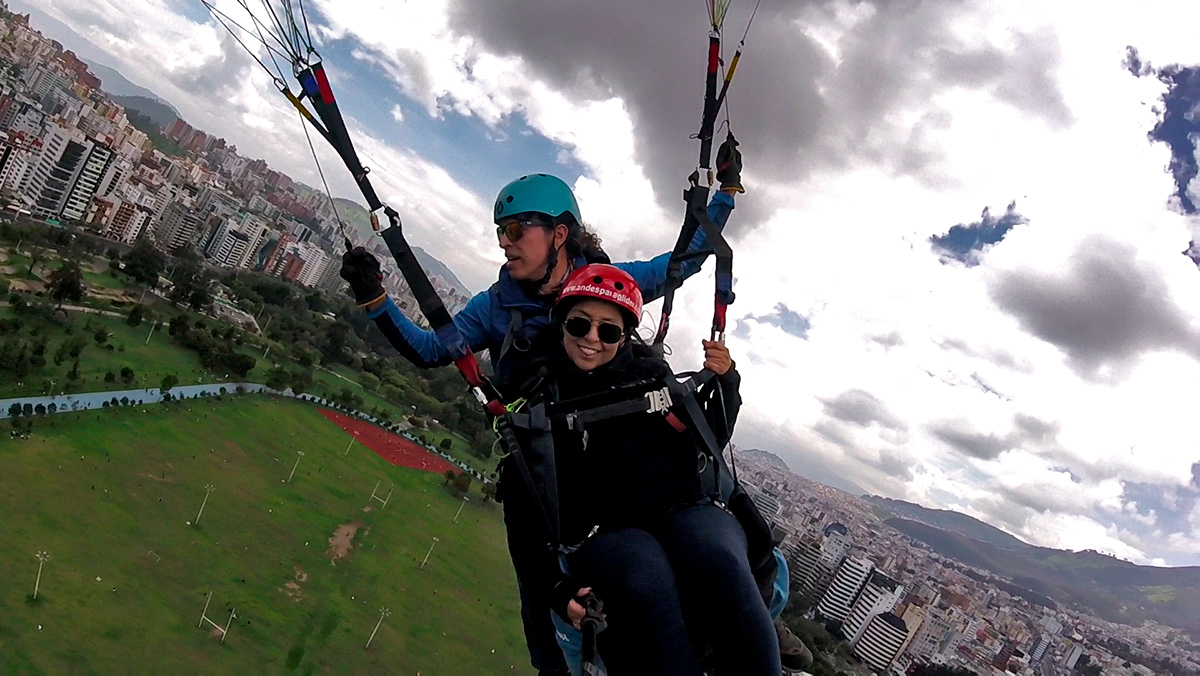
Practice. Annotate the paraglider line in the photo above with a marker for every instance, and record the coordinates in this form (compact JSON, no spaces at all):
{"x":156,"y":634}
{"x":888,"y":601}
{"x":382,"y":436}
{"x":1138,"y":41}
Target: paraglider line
{"x":321,"y":173}
{"x":293,"y":53}
{"x":221,"y":18}
{"x":257,"y":22}
{"x":304,"y":18}
{"x":258,"y":29}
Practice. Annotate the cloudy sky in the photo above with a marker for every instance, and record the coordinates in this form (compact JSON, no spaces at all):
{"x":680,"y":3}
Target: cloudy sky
{"x":1035,"y":367}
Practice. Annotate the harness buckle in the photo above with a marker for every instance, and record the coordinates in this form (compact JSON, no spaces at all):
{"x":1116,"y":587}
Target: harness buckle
{"x":659,"y":400}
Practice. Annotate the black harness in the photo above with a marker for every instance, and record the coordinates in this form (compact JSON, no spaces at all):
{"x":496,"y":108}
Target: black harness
{"x":678,"y":400}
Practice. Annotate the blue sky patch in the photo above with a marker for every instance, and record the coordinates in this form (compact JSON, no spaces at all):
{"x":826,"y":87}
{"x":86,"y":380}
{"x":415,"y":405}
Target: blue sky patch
{"x":483,"y":159}
{"x":964,"y":243}
{"x":789,"y":320}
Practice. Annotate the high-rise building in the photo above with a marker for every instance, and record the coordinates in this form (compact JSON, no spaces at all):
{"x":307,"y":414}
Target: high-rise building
{"x":1073,"y":656}
{"x":935,"y":630}
{"x":179,"y":228}
{"x":232,"y":250}
{"x":880,"y":641}
{"x":835,"y":545}
{"x":842,"y":592}
{"x":878,"y":595}
{"x":126,"y":222}
{"x":91,"y":171}
{"x":1038,"y":650}
{"x":767,"y":504}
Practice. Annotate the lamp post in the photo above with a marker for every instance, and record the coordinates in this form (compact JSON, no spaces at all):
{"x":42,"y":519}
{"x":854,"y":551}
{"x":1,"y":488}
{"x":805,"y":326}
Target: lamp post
{"x":42,"y":558}
{"x":460,"y":509}
{"x":299,"y":454}
{"x":353,"y":437}
{"x":383,"y":612}
{"x":208,"y":489}
{"x":435,"y":541}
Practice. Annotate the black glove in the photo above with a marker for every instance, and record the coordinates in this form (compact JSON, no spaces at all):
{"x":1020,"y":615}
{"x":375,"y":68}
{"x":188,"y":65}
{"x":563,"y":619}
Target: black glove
{"x":362,"y":270}
{"x":729,"y":165}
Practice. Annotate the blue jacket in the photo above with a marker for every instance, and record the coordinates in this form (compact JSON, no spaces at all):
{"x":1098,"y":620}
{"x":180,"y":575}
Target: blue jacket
{"x":486,"y":320}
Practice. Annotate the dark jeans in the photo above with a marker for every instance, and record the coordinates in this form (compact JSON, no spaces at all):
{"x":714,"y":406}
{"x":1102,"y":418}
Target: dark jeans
{"x":687,"y":582}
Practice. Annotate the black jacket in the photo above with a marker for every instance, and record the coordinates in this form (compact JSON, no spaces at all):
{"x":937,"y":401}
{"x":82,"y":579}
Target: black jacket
{"x":626,"y":471}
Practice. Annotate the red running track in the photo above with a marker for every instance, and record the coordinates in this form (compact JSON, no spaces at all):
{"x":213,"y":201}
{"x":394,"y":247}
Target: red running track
{"x":391,"y":447}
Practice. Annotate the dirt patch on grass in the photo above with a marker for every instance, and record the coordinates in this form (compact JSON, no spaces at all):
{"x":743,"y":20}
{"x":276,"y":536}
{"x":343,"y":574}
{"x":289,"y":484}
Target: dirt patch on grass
{"x":342,"y":541}
{"x":368,"y":508}
{"x":301,"y":576}
{"x":293,"y":590}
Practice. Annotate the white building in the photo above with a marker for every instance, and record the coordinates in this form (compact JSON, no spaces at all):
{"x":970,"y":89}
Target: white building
{"x":879,"y":595}
{"x":880,"y":641}
{"x":839,"y":598}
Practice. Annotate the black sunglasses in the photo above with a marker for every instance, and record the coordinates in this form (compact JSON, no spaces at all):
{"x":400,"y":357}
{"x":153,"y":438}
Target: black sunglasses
{"x":515,"y":229}
{"x":608,"y":333}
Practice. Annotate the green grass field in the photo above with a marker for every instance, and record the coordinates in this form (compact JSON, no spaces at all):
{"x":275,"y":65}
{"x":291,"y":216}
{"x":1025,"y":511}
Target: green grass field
{"x":100,"y":490}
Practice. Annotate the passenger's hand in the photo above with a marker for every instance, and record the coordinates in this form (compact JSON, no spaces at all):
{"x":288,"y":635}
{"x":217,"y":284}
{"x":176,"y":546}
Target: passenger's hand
{"x":716,"y":357}
{"x":575,"y":611}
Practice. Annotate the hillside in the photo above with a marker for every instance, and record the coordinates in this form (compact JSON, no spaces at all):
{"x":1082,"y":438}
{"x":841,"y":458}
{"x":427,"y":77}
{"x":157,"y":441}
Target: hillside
{"x":159,"y":113}
{"x":947,"y":520}
{"x":1116,"y":590}
{"x":765,"y":457}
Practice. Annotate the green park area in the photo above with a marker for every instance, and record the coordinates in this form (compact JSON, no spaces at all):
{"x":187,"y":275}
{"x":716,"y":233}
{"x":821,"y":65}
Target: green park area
{"x":112,"y":497}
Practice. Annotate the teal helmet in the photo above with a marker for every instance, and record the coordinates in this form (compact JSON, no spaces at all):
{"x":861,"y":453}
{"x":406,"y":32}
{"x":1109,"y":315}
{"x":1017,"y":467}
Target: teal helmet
{"x":538,"y":193}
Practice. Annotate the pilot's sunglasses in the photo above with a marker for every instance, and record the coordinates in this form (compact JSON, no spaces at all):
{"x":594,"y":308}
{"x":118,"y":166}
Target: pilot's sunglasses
{"x":607,"y":332}
{"x":514,"y":229}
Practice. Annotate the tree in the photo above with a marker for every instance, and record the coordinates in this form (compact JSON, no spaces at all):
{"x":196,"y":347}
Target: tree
{"x":126,"y":375}
{"x":15,"y":411}
{"x":447,"y":476}
{"x":110,"y":377}
{"x":301,"y":381}
{"x":136,"y":315}
{"x":191,"y":281}
{"x":145,"y":263}
{"x":169,"y":381}
{"x":73,"y":374}
{"x":101,"y":335}
{"x":75,"y":347}
{"x":489,"y":490}
{"x":446,"y":444}
{"x":178,"y":325}
{"x":368,"y":381}
{"x":66,"y":283}
{"x":462,"y":483}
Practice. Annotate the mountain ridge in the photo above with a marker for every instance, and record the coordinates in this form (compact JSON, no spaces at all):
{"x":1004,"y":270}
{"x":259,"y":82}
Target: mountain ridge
{"x":948,"y":520}
{"x":1111,"y":588}
{"x":159,"y":113}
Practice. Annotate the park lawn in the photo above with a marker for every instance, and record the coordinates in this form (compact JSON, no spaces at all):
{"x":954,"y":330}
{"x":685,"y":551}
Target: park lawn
{"x":101,"y":490}
{"x":151,"y":362}
{"x":104,"y":280}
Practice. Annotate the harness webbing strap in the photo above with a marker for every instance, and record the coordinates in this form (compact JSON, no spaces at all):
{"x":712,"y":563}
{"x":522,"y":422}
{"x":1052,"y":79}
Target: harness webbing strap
{"x":696,"y":216}
{"x":439,"y":317}
{"x":317,"y":90}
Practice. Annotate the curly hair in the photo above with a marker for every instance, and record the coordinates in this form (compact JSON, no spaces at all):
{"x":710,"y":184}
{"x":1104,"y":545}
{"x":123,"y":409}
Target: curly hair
{"x":583,"y":242}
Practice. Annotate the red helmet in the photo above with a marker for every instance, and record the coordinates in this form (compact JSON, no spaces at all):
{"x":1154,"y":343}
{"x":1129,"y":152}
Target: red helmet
{"x":605,"y":282}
